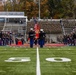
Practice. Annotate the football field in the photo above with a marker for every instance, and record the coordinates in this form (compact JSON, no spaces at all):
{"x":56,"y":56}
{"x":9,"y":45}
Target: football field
{"x":38,"y":61}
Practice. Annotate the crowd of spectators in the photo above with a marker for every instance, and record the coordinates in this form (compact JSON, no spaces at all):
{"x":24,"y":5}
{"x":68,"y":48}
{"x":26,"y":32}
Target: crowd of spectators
{"x":70,"y":39}
{"x":8,"y":38}
{"x":5,"y":38}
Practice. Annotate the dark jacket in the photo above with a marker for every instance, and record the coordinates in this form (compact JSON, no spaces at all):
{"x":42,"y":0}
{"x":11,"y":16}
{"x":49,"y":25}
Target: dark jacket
{"x":42,"y":35}
{"x":31,"y":34}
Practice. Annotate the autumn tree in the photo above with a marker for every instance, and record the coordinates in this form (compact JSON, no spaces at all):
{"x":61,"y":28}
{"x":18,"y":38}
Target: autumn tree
{"x":55,"y":8}
{"x":68,"y":6}
{"x":48,"y":8}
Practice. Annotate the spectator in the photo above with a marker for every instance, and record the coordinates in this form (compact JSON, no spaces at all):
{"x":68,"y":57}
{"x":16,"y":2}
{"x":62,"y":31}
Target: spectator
{"x":22,"y":39}
{"x":16,"y":40}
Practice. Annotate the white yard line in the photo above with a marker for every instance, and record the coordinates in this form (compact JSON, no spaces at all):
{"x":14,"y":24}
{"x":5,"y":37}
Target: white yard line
{"x":38,"y":72}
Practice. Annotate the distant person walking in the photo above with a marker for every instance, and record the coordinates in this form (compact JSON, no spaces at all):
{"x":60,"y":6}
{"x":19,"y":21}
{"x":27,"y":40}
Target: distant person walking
{"x":31,"y":37}
{"x":41,"y":38}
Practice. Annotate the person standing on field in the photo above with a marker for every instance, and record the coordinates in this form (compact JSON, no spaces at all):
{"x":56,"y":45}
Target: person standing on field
{"x":31,"y":37}
{"x":41,"y":38}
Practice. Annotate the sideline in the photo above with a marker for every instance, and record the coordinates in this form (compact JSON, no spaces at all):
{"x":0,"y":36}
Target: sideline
{"x":38,"y":71}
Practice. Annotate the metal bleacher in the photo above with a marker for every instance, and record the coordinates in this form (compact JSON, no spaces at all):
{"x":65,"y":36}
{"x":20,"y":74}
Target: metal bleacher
{"x":1,"y":26}
{"x":12,"y":27}
{"x":69,"y":25}
{"x":50,"y":27}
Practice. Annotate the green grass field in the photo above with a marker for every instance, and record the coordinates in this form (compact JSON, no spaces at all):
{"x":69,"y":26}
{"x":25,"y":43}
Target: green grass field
{"x":29,"y":67}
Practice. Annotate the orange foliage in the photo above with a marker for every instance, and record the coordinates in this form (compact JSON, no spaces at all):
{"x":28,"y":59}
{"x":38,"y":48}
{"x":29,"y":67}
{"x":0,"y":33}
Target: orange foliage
{"x":1,"y":8}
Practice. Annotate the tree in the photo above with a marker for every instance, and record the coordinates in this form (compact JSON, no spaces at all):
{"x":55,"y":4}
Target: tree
{"x":68,"y":6}
{"x":1,"y":8}
{"x":55,"y":8}
{"x":48,"y":8}
{"x":44,"y":9}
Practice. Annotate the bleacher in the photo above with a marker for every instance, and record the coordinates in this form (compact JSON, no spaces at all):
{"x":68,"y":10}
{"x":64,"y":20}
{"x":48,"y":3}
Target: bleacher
{"x":50,"y":27}
{"x":69,"y":25}
{"x":1,"y":26}
{"x":12,"y":26}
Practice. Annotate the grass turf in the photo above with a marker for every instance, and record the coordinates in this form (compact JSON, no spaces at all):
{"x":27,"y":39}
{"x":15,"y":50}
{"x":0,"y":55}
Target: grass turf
{"x":58,"y":68}
{"x":17,"y":68}
{"x":29,"y":68}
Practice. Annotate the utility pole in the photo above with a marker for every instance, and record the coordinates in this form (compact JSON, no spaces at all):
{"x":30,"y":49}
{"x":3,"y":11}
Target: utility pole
{"x":38,"y":2}
{"x":39,"y":10}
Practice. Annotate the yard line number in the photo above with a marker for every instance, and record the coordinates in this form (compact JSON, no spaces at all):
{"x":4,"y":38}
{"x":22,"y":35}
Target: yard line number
{"x":18,"y":59}
{"x":58,"y":59}
{"x":26,"y":59}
